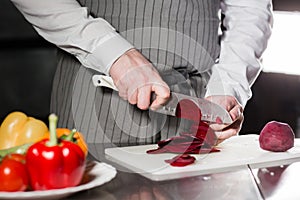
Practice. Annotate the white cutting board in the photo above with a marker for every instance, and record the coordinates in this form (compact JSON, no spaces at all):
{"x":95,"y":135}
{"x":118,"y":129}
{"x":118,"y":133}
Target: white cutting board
{"x":236,"y":153}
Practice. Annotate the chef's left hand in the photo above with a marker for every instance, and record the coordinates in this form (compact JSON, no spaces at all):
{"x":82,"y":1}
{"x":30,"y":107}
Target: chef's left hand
{"x":235,"y":110}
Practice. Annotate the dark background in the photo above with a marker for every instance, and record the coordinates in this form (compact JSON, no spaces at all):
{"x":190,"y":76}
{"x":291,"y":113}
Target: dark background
{"x":27,"y":65}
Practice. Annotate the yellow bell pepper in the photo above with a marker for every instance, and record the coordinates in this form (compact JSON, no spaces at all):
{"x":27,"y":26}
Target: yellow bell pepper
{"x":17,"y":129}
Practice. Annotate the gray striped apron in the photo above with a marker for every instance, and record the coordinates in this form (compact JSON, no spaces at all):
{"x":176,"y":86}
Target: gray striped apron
{"x":180,"y":38}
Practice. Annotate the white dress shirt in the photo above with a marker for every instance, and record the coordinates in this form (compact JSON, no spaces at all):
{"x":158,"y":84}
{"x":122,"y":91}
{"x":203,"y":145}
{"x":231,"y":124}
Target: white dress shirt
{"x":97,"y":45}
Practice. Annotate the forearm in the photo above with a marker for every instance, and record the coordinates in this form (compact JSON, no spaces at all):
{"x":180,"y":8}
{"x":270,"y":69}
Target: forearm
{"x":66,"y":24}
{"x":248,"y":27}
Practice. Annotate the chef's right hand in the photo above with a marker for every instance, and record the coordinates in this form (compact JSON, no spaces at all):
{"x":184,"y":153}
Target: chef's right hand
{"x":136,"y":78}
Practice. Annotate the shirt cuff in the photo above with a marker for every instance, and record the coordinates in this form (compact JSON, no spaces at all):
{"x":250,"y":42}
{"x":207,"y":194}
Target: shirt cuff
{"x":110,"y":49}
{"x":222,"y":85}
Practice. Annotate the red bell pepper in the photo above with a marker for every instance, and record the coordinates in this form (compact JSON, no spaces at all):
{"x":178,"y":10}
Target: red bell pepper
{"x":53,"y":163}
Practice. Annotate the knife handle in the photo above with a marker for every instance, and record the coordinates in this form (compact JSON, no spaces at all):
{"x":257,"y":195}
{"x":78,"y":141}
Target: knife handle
{"x":153,"y":97}
{"x":107,"y":81}
{"x":104,"y":81}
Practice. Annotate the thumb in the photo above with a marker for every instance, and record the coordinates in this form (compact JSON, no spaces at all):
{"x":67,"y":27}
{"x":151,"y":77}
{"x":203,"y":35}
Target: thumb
{"x":162,"y":94}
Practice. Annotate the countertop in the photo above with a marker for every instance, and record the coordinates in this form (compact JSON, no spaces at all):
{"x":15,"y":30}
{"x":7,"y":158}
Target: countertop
{"x":277,"y":182}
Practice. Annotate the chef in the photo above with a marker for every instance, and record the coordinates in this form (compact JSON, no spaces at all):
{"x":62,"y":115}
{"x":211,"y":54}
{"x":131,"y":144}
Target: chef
{"x":149,"y":46}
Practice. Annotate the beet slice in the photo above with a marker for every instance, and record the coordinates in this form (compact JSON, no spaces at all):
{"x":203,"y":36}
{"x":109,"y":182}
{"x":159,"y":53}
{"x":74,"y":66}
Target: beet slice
{"x":187,"y":109}
{"x":204,"y":132}
{"x":181,"y":160}
{"x":276,"y":137}
{"x":200,"y":138}
{"x":185,"y":143}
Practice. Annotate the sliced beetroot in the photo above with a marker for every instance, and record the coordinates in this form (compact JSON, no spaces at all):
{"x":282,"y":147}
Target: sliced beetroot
{"x":157,"y":151}
{"x":184,"y":148}
{"x":178,"y":140}
{"x":276,"y":137}
{"x":185,"y":143}
{"x":187,"y":109}
{"x":163,"y":143}
{"x":200,"y":139}
{"x":209,"y":150}
{"x":204,"y":132}
{"x":200,"y":129}
{"x":198,"y":150}
{"x":181,"y":160}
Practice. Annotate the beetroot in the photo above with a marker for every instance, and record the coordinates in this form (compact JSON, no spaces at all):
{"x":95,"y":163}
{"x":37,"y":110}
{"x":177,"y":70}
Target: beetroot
{"x":276,"y":137}
{"x":181,"y":160}
{"x":187,"y":109}
{"x":203,"y":131}
{"x":185,"y":143}
{"x":200,"y":139}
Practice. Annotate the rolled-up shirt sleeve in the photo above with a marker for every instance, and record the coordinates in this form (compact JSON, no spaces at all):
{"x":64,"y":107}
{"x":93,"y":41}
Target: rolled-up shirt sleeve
{"x":248,"y":25}
{"x":67,"y":24}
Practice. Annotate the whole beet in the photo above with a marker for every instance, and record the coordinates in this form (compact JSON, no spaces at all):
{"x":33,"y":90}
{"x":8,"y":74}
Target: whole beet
{"x":276,"y":137}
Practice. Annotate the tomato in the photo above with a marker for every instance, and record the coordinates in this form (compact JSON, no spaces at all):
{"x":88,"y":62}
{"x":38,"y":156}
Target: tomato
{"x":13,"y":173}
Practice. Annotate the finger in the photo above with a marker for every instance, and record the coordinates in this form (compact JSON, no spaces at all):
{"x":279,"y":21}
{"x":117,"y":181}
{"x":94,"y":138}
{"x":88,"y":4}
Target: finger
{"x":218,"y":127}
{"x":143,"y":100}
{"x":162,"y":95}
{"x":236,"y":112}
{"x":231,"y":130}
{"x":132,"y":97}
{"x":223,"y":135}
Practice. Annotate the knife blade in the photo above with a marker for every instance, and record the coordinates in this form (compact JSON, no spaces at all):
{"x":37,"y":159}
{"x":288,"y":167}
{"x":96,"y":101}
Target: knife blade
{"x":210,"y":112}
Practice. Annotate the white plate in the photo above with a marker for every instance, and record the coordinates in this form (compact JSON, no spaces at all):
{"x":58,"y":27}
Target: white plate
{"x":96,"y":174}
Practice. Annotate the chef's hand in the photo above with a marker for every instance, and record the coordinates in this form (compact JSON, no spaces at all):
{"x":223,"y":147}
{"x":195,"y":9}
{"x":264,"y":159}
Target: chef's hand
{"x":136,"y":78}
{"x":235,"y":110}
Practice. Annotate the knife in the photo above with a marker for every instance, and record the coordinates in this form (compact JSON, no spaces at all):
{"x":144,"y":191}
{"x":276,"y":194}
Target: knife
{"x":210,"y":112}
